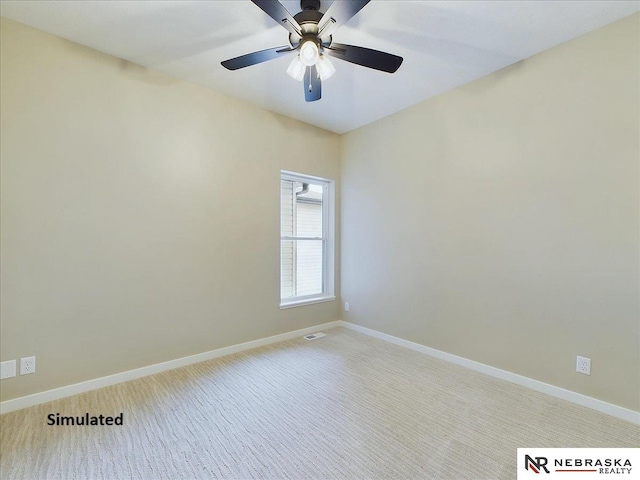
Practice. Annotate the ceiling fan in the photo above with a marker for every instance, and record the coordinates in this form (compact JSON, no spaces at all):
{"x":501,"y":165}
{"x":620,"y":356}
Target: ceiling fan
{"x":310,"y":35}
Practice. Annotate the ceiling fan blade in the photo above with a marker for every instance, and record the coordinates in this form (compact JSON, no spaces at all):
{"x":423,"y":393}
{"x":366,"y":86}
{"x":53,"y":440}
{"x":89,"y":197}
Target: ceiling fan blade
{"x":312,"y":85}
{"x":366,"y":57}
{"x":281,"y":15}
{"x":256,"y":57}
{"x":338,"y":13}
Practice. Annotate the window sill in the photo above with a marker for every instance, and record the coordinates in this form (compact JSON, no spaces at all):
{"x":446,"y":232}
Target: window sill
{"x":306,"y":301}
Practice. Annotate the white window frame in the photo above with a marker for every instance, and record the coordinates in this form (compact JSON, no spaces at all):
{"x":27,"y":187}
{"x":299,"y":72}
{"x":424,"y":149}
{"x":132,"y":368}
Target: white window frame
{"x":328,"y":236}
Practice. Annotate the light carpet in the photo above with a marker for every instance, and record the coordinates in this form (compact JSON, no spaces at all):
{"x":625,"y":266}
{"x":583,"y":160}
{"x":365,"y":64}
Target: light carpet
{"x":340,"y":407}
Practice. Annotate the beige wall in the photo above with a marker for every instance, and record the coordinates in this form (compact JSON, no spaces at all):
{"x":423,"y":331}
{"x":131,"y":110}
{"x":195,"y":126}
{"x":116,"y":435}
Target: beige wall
{"x":140,"y":214}
{"x":500,"y":221}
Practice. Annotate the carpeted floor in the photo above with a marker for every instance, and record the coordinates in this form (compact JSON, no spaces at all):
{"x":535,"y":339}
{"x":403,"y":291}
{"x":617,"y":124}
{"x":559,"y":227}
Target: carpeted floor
{"x":344,"y":406}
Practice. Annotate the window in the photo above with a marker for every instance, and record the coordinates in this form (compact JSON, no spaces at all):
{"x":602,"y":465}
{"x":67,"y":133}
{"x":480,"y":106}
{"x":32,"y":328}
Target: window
{"x":306,"y":239}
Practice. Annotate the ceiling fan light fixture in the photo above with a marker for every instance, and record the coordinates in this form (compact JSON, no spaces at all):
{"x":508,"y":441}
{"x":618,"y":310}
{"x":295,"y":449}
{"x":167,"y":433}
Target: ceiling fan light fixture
{"x":311,"y":40}
{"x":325,"y":67}
{"x":309,"y":53}
{"x":296,"y":69}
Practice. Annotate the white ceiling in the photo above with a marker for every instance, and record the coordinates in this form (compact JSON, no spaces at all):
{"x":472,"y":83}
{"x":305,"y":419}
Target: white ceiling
{"x":444,"y":44}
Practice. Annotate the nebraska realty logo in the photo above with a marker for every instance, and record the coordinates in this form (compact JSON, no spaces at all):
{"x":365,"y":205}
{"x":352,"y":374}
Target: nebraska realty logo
{"x":582,"y":463}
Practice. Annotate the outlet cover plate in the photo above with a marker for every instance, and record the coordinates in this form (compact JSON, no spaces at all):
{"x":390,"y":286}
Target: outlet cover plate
{"x":27,"y":365}
{"x":583,"y":365}
{"x":7,"y":369}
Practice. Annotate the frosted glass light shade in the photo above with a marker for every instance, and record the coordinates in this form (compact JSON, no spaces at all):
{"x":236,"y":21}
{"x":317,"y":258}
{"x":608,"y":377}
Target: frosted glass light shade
{"x":296,"y":69}
{"x":325,"y":67}
{"x":309,"y":53}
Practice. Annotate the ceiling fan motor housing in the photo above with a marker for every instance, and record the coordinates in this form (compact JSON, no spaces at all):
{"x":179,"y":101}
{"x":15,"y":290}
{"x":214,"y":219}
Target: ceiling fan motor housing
{"x":309,"y":5}
{"x":308,"y":20}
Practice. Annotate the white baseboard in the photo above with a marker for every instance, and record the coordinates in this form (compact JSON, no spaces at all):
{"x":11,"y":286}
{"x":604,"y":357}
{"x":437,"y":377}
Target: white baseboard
{"x":67,"y":391}
{"x":577,"y":398}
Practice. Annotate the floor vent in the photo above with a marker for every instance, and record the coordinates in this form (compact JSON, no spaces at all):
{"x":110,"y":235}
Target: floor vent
{"x":313,"y":336}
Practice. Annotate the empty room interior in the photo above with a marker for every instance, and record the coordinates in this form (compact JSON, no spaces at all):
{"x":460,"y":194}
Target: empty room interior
{"x":321,"y":240}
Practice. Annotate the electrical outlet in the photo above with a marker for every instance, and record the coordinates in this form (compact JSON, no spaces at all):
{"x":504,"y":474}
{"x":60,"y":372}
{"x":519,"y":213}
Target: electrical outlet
{"x":583,"y":365}
{"x":7,"y":369}
{"x":346,"y":306}
{"x":27,"y":365}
